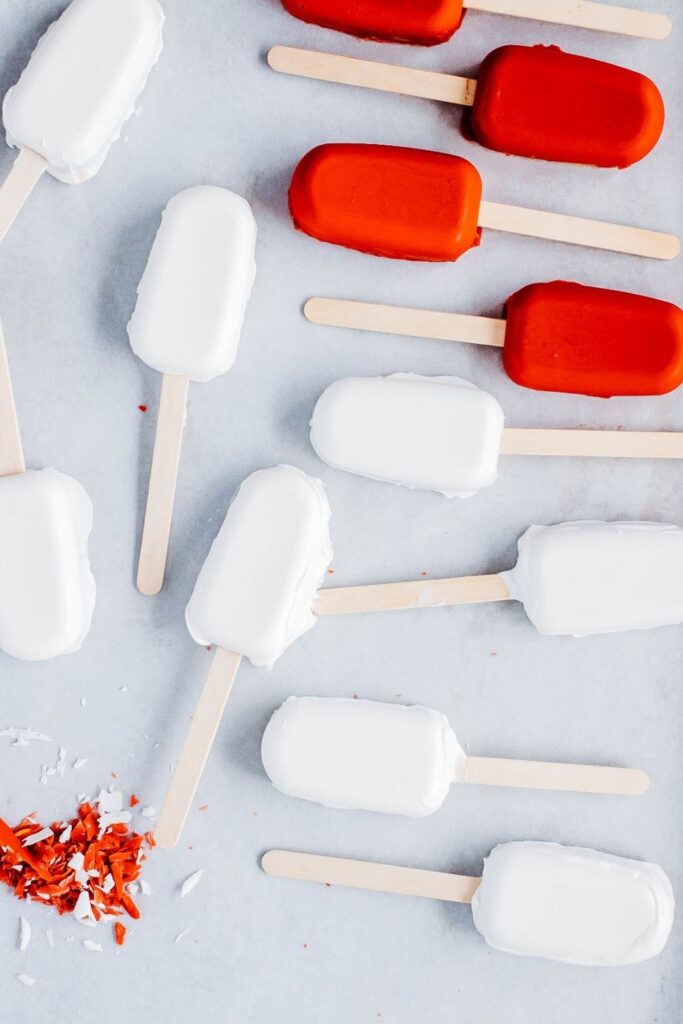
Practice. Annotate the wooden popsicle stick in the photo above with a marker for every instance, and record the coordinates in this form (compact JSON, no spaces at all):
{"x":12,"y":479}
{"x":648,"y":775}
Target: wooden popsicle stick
{"x":597,"y":444}
{"x":193,"y":756}
{"x":18,"y":185}
{"x":370,"y":74}
{"x":363,"y":874}
{"x":389,"y":597}
{"x":11,"y":452}
{"x":624,"y":21}
{"x":595,"y":234}
{"x":162,"y":484}
{"x":416,"y":323}
{"x":577,"y":778}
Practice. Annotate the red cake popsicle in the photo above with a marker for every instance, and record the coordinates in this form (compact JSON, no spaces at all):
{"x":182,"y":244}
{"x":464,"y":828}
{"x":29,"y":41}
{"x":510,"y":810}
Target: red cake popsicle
{"x":413,"y":204}
{"x":558,"y":336}
{"x":532,"y":101}
{"x":428,"y":22}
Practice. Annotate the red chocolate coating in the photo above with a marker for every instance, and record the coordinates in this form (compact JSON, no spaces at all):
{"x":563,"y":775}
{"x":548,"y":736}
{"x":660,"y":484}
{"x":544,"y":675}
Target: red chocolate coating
{"x":592,"y":341}
{"x":425,"y":22}
{"x":408,"y":204}
{"x":538,"y":101}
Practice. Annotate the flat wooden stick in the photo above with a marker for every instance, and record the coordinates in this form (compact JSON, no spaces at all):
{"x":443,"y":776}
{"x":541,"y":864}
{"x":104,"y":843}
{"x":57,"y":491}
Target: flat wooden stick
{"x":18,"y":185}
{"x":416,"y":323}
{"x":595,"y":234}
{"x":370,"y":74}
{"x":597,"y":444}
{"x":363,"y":874}
{"x":623,"y":21}
{"x":162,"y":484}
{"x":577,"y":778}
{"x":193,"y":756}
{"x":11,"y":453}
{"x":390,"y":597}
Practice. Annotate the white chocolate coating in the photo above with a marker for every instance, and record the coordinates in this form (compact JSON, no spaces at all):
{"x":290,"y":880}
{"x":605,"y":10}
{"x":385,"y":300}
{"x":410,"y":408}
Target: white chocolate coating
{"x":431,"y":433}
{"x":255,"y":592}
{"x":576,"y":579}
{"x":361,"y":754}
{"x":47,"y":592}
{"x":194,"y":292}
{"x":82,"y":82}
{"x":572,"y":904}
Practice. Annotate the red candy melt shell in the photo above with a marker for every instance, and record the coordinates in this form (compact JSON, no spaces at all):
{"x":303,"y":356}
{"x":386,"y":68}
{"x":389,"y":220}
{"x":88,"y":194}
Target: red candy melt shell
{"x":537,"y":101}
{"x":424,"y":22}
{"x":407,"y":204}
{"x":592,"y":341}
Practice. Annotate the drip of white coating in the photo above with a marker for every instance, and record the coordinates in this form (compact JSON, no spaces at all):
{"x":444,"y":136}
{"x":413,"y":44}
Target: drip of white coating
{"x":584,"y":578}
{"x":255,"y":592}
{"x":361,"y":755}
{"x":428,"y":433}
{"x":194,"y":291}
{"x":47,"y":592}
{"x":573,"y":904}
{"x":82,"y":82}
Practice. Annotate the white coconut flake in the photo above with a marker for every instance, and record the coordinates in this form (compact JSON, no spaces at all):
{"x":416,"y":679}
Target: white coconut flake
{"x":79,"y":763}
{"x":149,"y":812}
{"x":110,"y":800}
{"x":108,"y":883}
{"x":46,"y":772}
{"x":190,"y":883}
{"x":50,"y":938}
{"x":92,"y":947}
{"x":123,"y":689}
{"x":37,"y":837}
{"x":83,"y":702}
{"x":22,"y":737}
{"x":24,"y":934}
{"x":133,"y":888}
{"x":83,"y":911}
{"x":65,"y":834}
{"x":77,"y":862}
{"x":26,"y":980}
{"x":181,"y":935}
{"x":145,"y":887}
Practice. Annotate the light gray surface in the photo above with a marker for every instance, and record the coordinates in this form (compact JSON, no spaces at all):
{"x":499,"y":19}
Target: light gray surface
{"x":261,"y":950}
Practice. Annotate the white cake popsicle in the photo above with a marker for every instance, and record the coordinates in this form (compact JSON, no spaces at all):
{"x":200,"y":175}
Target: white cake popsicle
{"x":82,"y":83}
{"x":255,"y":592}
{"x":564,"y":903}
{"x":47,"y":592}
{"x":253,"y":598}
{"x":359,"y":754}
{"x":573,"y":904}
{"x":444,"y":434}
{"x":187,"y":322}
{"x":365,"y":755}
{"x":576,"y":579}
{"x":194,"y":292}
{"x":430,"y":433}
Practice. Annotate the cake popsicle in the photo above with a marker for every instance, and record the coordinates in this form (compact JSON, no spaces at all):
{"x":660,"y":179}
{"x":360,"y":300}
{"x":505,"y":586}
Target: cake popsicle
{"x":73,"y":97}
{"x":573,"y":579}
{"x":413,"y":204}
{"x":187,"y":322}
{"x":356,"y":754}
{"x":530,"y":101}
{"x":47,"y":592}
{"x":429,"y":22}
{"x":444,"y":434}
{"x":253,"y":598}
{"x":556,"y":336}
{"x":565,"y":903}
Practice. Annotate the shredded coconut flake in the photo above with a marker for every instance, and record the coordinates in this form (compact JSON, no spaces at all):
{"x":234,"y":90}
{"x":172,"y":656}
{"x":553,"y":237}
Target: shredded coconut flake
{"x":22,"y":737}
{"x":181,"y":935}
{"x":37,"y":837}
{"x":92,"y":947}
{"x":24,"y":934}
{"x":50,"y":938}
{"x":149,"y":812}
{"x":26,"y":979}
{"x":79,"y":763}
{"x":190,"y":883}
{"x":145,"y":887}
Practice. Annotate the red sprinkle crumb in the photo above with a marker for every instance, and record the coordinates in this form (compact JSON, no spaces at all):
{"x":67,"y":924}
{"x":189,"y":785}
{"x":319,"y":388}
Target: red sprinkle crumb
{"x":204,"y":807}
{"x":41,"y":872}
{"x":134,"y":800}
{"x":331,"y":572}
{"x":142,"y":408}
{"x":119,"y":933}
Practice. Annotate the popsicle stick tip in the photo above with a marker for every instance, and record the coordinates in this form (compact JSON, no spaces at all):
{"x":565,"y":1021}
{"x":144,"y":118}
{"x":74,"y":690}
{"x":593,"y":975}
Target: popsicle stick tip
{"x":641,"y":782}
{"x":662,"y":26}
{"x":312,"y":310}
{"x":270,"y":861}
{"x":273,"y":57}
{"x":148,"y":586}
{"x":165,"y":838}
{"x":671,"y":247}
